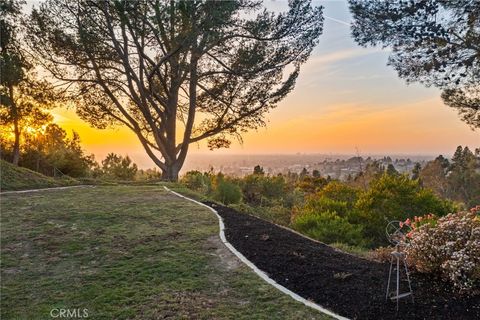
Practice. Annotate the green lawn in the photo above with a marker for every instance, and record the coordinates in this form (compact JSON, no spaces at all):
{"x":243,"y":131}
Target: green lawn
{"x":126,"y":252}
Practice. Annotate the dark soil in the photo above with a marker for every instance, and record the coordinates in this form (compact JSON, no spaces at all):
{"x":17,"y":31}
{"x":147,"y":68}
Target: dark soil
{"x":347,"y":285}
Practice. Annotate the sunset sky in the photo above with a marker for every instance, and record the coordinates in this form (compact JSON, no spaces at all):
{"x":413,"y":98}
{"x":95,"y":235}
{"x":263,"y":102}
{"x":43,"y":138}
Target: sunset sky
{"x":346,"y":98}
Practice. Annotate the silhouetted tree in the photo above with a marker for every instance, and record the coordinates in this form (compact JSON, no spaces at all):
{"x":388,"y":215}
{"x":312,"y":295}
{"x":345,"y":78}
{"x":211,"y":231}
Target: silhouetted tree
{"x":46,"y":149}
{"x":22,"y":97}
{"x":11,"y":68}
{"x":436,"y":42}
{"x":118,"y":167}
{"x":304,"y":173}
{"x":434,"y":176}
{"x":443,"y":161}
{"x":464,"y":177}
{"x":156,"y":65}
{"x":258,"y":170}
{"x":372,"y":171}
{"x":391,"y":170}
{"x":416,"y":171}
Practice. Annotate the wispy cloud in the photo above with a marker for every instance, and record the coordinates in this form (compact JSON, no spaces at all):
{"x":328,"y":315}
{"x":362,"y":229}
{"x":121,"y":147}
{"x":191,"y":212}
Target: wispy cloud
{"x":341,"y":55}
{"x":337,"y":20}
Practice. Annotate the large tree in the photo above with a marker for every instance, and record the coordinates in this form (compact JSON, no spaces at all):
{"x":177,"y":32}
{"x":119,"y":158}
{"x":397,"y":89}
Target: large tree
{"x":175,"y":72}
{"x":435,"y":42}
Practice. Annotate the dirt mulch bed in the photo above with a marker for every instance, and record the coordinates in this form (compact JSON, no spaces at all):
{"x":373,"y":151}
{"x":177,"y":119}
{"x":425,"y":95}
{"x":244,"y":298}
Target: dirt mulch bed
{"x":350,"y":286}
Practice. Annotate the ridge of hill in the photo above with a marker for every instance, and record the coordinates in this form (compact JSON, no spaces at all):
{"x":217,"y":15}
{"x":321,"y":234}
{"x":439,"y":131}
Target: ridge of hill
{"x":18,"y":178}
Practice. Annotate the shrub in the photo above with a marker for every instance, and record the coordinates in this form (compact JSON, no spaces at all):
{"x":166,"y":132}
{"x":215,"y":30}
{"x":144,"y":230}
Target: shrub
{"x":258,"y":188}
{"x":340,"y":192}
{"x":324,"y":204}
{"x":328,"y":227}
{"x":148,"y":174}
{"x":228,"y":192}
{"x":197,"y":181}
{"x":274,"y":187}
{"x":311,"y":184}
{"x":381,"y":254}
{"x":449,"y":247}
{"x":277,"y":214}
{"x":252,"y":189}
{"x":293,"y":198}
{"x":394,"y":197}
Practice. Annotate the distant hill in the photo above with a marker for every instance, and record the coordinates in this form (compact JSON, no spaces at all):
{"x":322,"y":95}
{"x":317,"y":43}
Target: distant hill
{"x":18,"y":178}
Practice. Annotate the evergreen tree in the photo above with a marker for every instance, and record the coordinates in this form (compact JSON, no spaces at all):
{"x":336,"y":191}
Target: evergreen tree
{"x":391,"y":170}
{"x":416,"y":171}
{"x":431,"y":41}
{"x":217,"y":66}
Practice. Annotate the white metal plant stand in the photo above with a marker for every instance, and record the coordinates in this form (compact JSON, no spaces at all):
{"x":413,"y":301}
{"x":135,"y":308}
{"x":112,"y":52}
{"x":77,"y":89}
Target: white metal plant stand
{"x":395,"y":232}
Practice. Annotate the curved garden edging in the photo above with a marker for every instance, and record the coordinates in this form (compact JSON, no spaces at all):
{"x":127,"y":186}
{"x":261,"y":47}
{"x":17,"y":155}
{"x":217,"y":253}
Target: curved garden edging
{"x":47,"y":189}
{"x":259,"y":272}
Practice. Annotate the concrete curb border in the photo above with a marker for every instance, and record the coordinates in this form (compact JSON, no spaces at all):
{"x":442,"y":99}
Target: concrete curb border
{"x":259,"y":272}
{"x":46,"y":189}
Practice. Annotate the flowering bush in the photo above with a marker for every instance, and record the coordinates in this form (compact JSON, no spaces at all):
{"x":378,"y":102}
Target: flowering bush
{"x":449,"y":247}
{"x":381,"y":254}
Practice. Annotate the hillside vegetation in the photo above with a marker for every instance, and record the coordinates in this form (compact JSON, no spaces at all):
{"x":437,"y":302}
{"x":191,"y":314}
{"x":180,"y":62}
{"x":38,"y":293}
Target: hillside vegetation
{"x":18,"y":178}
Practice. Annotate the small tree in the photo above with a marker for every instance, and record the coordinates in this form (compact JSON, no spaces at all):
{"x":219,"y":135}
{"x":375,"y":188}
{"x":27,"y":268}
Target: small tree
{"x":416,"y":171}
{"x":63,"y":153}
{"x":118,"y":167}
{"x":304,"y":173}
{"x":372,"y":171}
{"x":391,"y":170}
{"x":433,"y":176}
{"x":464,"y":178}
{"x":194,"y":70}
{"x":258,"y":170}
{"x":228,"y":192}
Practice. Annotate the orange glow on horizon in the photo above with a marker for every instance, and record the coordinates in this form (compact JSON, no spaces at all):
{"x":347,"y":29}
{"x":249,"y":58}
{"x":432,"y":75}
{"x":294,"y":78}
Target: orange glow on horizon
{"x":426,"y":127}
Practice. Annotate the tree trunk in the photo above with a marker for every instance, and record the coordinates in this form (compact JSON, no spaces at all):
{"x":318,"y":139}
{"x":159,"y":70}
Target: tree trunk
{"x":16,"y":144}
{"x":16,"y":129}
{"x":170,"y":173}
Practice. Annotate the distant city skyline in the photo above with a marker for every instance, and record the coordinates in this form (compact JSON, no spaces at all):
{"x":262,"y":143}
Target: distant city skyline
{"x":336,"y":166}
{"x":345,"y":98}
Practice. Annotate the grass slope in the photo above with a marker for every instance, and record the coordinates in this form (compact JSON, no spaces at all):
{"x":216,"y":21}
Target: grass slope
{"x":126,"y":252}
{"x":18,"y":178}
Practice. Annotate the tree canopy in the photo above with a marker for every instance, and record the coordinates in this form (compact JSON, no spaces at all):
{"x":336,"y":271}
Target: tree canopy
{"x":12,"y":70}
{"x":435,"y":42}
{"x":174,"y":72}
{"x":23,"y":98}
